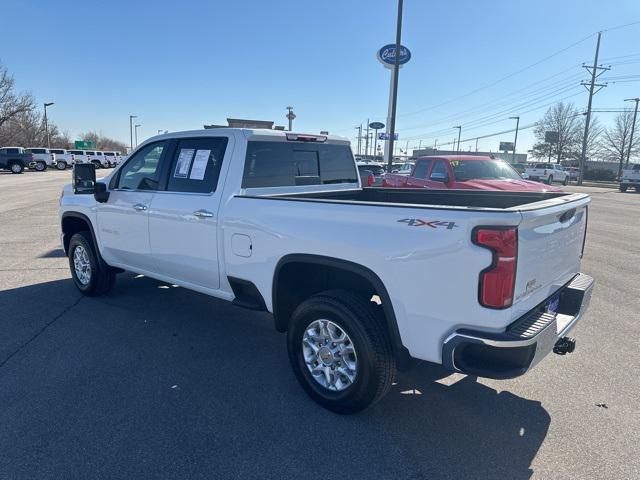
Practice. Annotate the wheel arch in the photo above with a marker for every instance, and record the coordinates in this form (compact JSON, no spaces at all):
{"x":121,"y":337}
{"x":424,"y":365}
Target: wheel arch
{"x":72,"y":223}
{"x":317,"y":270}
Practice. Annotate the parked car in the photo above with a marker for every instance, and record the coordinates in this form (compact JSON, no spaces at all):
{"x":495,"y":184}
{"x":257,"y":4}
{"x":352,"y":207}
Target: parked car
{"x":97,"y":158}
{"x":374,"y":169}
{"x":548,"y":173}
{"x":573,"y":172}
{"x":519,"y":167}
{"x":42,"y":158}
{"x":111,"y":158}
{"x":64,"y":158}
{"x":463,"y":172}
{"x":278,"y":221}
{"x":79,"y":156}
{"x":630,"y":178}
{"x":14,"y":159}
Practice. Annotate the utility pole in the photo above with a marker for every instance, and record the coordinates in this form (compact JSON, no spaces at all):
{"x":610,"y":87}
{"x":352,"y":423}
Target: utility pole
{"x":131,"y":117}
{"x":359,"y":128}
{"x":46,"y":123}
{"x":435,"y":144}
{"x":136,"y":130}
{"x":595,"y":72}
{"x":459,"y":127}
{"x":366,"y":141}
{"x":394,"y":90}
{"x":290,"y":116}
{"x":633,"y":126}
{"x":477,"y":144}
{"x":515,"y":140}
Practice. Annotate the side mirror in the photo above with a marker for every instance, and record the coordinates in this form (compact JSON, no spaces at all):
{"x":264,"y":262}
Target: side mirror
{"x":84,"y":178}
{"x":100,"y":192}
{"x":439,"y":177}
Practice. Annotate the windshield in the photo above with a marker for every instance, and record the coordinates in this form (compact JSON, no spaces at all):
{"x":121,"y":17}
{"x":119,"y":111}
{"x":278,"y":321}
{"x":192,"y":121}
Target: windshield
{"x":483,"y":169}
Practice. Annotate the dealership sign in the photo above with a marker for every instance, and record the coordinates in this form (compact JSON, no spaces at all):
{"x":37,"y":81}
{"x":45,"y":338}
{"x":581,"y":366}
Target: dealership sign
{"x":386,"y":136}
{"x":376,"y":125}
{"x":507,"y":146}
{"x":387,"y":55}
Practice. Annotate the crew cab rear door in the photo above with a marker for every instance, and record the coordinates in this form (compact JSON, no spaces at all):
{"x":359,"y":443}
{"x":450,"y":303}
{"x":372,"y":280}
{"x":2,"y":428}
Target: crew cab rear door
{"x":550,"y":241}
{"x":183,"y":220}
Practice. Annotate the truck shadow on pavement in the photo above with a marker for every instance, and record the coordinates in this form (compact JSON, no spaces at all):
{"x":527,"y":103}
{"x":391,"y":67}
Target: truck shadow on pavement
{"x":154,"y":381}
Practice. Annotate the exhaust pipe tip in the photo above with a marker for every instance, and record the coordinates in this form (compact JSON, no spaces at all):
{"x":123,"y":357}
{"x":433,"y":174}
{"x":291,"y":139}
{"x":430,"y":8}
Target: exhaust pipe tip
{"x":564,"y":345}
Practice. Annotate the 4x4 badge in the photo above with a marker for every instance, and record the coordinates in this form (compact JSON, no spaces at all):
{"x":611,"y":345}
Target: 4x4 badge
{"x":416,"y":222}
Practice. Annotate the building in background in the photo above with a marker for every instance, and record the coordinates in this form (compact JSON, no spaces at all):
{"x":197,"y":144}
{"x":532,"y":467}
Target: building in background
{"x":508,"y":157}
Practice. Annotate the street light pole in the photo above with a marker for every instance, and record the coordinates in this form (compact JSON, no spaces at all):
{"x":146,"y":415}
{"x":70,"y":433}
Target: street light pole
{"x":633,"y":126}
{"x":131,"y":117}
{"x":459,"y":127}
{"x":46,"y":123}
{"x":515,"y":140}
{"x":394,"y":90}
{"x":136,"y":130}
{"x":290,"y":116}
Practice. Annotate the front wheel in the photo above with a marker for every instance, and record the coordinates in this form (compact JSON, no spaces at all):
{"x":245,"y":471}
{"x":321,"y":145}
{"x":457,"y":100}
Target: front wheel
{"x":16,"y":167}
{"x":97,"y":164}
{"x":550,"y":180}
{"x":340,"y":351}
{"x":40,"y":166}
{"x":90,"y":273}
{"x":61,"y":165}
{"x":623,"y":188}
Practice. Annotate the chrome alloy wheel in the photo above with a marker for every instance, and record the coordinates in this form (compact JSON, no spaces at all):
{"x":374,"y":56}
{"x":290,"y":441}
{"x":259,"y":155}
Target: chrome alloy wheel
{"x":329,"y":355}
{"x":81,"y":265}
{"x":16,"y":168}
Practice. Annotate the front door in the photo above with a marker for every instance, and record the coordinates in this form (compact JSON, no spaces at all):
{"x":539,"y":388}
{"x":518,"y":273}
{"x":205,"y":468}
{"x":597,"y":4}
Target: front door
{"x":183,"y":219}
{"x":123,"y":220}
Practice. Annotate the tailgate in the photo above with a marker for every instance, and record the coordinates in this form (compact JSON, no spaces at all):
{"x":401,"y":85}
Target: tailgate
{"x":550,"y":243}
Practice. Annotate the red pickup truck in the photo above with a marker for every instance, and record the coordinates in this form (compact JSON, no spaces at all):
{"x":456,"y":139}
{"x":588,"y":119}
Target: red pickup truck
{"x":464,"y":172}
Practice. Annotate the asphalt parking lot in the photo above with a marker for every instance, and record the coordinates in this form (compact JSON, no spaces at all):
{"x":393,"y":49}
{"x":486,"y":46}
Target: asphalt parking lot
{"x":154,"y":381}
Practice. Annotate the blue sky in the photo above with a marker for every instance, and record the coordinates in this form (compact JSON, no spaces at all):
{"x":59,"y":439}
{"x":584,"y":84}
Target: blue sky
{"x":178,"y":65}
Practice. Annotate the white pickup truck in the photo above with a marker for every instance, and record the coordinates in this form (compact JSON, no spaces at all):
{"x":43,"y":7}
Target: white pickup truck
{"x":548,"y":173}
{"x":42,"y":158}
{"x":363,"y":280}
{"x":630,"y":178}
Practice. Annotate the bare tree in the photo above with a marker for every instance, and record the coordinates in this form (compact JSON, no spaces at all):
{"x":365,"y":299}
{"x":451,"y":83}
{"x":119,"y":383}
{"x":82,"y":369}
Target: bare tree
{"x":616,"y":139}
{"x":11,"y":102}
{"x":562,"y":118}
{"x":103,"y":143}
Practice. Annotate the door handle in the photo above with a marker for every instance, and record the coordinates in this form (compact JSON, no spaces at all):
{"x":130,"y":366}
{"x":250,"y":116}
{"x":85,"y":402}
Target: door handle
{"x":140,"y":207}
{"x":203,"y":214}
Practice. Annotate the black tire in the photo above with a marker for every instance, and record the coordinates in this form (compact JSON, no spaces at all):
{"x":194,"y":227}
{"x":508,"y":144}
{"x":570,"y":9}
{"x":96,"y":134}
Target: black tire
{"x":565,"y":182}
{"x":40,"y":166}
{"x":623,"y":188}
{"x":97,"y":164}
{"x":550,"y":180}
{"x":102,"y":277}
{"x":61,"y":165}
{"x":16,"y":167}
{"x":362,"y":321}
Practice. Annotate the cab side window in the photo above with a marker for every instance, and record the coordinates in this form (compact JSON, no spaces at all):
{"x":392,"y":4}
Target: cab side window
{"x":196,"y":164}
{"x":142,"y":171}
{"x":440,"y":167}
{"x":422,"y":167}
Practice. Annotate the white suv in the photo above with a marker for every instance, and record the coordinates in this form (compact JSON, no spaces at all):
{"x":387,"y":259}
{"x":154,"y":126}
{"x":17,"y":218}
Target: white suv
{"x":42,"y":158}
{"x":79,"y":156}
{"x":64,"y":159}
{"x":548,"y":173}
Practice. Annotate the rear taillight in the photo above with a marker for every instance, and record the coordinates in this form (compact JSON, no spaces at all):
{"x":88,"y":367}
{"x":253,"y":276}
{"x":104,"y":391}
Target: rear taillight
{"x":370,"y":180}
{"x":497,"y":282}
{"x":545,"y":171}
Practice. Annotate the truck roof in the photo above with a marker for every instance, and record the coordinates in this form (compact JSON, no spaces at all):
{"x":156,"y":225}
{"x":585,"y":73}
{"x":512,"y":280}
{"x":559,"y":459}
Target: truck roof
{"x":458,"y":157}
{"x":247,"y":132}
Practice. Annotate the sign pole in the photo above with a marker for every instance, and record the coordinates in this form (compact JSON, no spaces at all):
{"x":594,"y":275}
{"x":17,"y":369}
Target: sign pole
{"x":394,"y":89}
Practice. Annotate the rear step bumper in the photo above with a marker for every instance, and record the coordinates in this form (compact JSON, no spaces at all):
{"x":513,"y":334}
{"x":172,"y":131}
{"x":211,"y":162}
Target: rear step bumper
{"x":525,"y":342}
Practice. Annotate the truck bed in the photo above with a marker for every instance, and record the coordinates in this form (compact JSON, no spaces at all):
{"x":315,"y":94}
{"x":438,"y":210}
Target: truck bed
{"x":418,"y":197}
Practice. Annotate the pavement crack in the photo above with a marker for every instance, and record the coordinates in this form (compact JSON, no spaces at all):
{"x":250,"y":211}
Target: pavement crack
{"x":41,"y":331}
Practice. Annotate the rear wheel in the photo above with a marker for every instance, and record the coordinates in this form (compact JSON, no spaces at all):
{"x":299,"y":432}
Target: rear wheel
{"x":550,"y":180}
{"x":90,"y":273}
{"x":340,"y":351}
{"x":97,"y":164}
{"x":61,"y":165}
{"x":565,"y":182}
{"x":16,"y":167}
{"x":623,"y":188}
{"x":40,"y":166}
